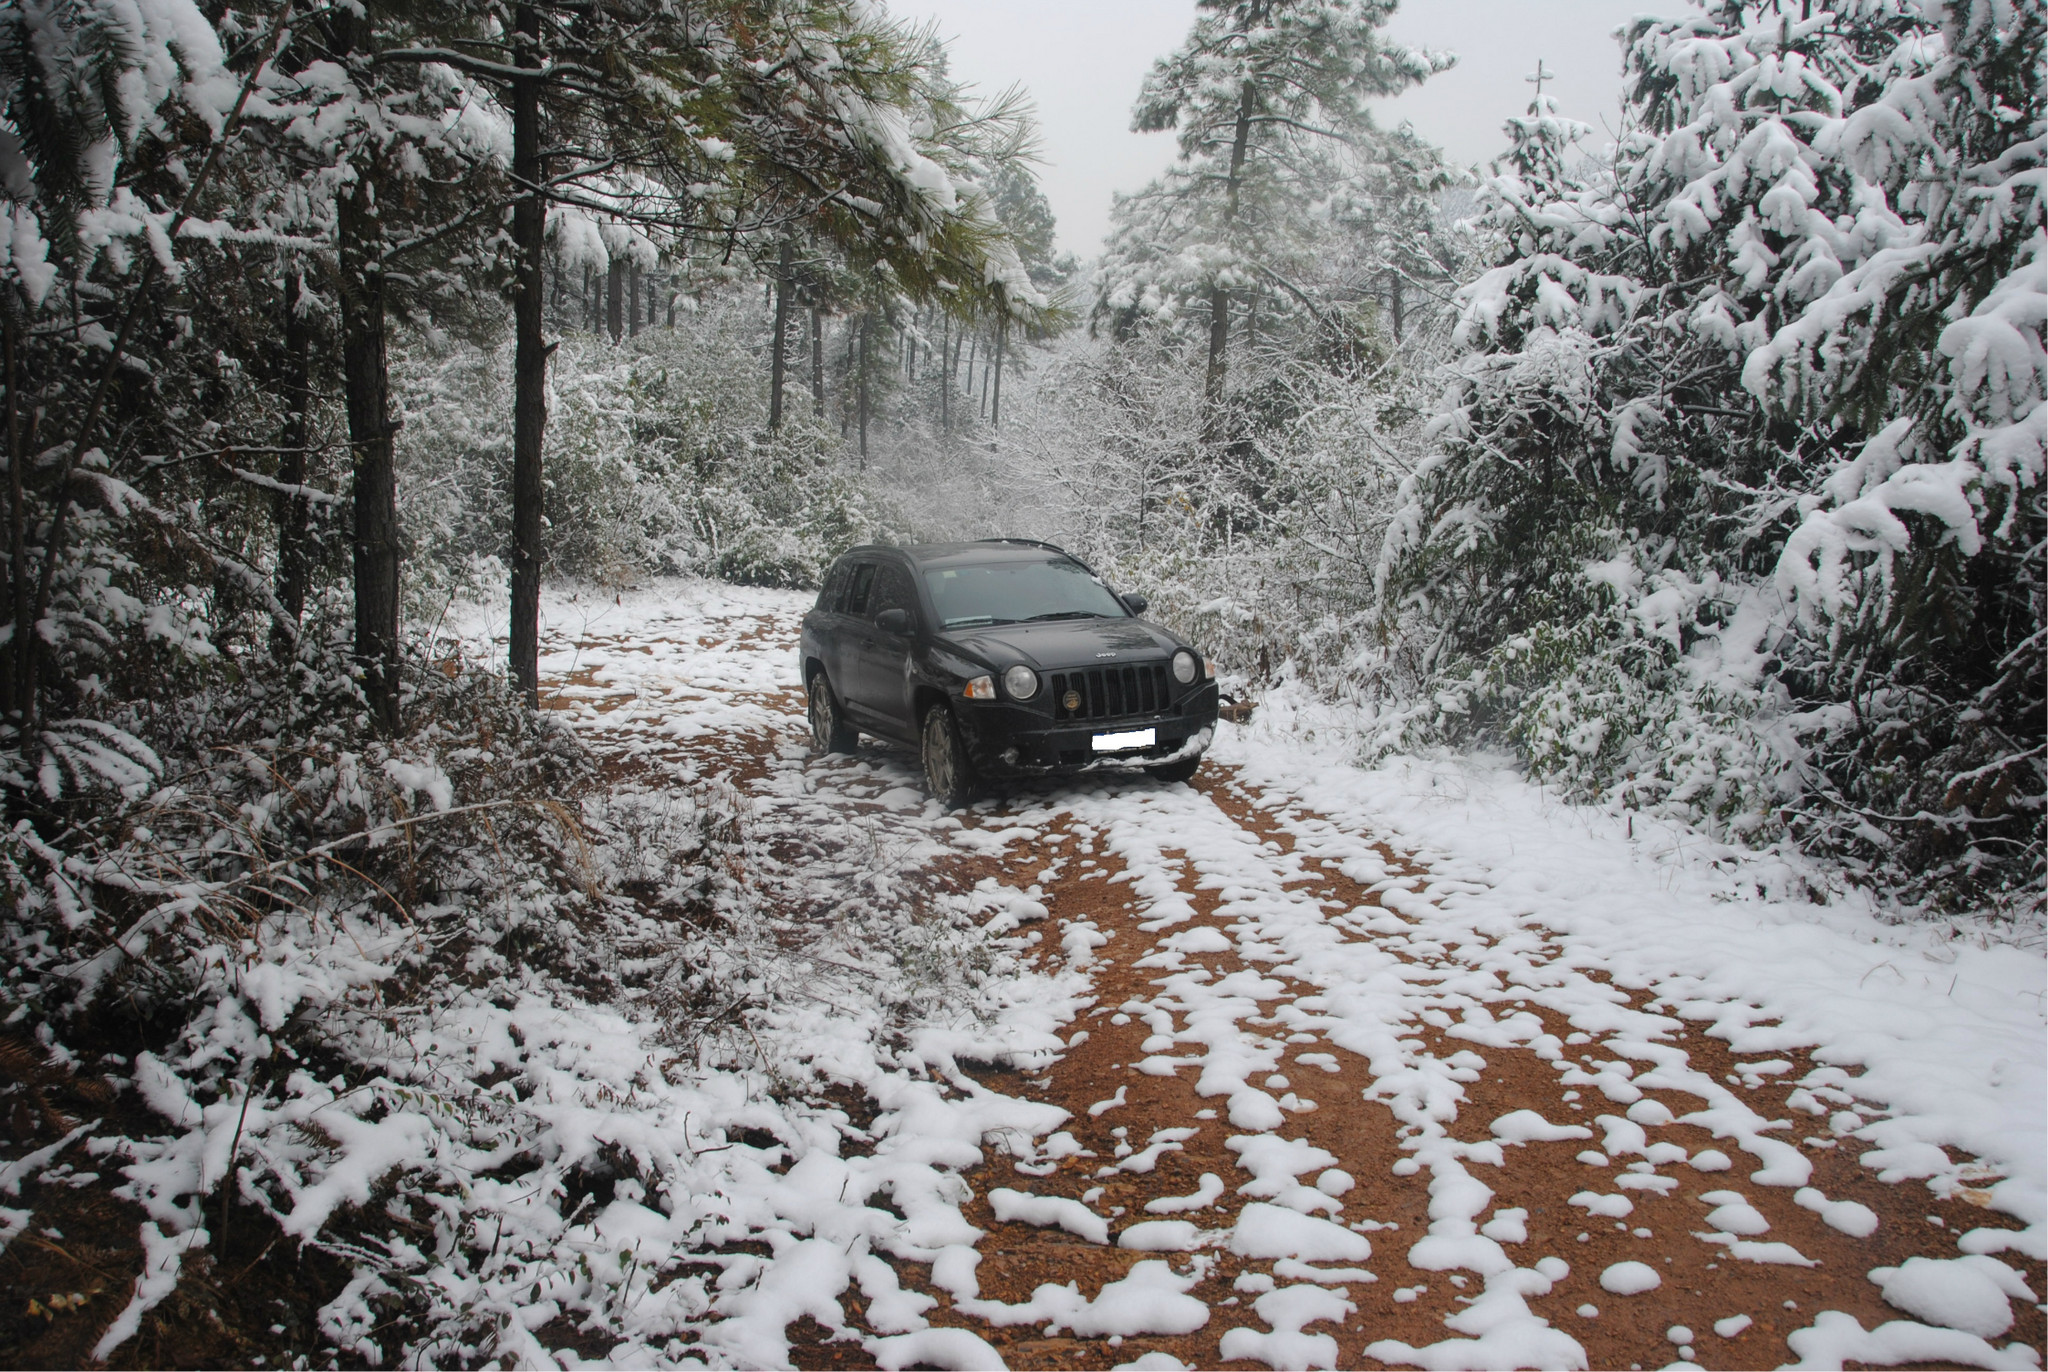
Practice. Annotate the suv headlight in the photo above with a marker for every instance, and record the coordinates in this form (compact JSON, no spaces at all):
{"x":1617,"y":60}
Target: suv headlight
{"x":1021,"y":682}
{"x":1185,"y":667}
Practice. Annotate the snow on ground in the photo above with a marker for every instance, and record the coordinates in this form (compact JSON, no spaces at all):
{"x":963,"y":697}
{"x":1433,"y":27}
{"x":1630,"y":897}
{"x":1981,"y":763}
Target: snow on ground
{"x":1415,"y":938}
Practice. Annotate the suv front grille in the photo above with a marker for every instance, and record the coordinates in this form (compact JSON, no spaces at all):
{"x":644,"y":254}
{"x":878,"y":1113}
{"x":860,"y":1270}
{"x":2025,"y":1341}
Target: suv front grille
{"x":1110,"y":692}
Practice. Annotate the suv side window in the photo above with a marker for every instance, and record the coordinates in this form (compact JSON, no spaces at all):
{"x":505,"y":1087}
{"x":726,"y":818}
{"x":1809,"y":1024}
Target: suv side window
{"x":857,"y":590}
{"x":835,"y":589}
{"x":892,"y":591}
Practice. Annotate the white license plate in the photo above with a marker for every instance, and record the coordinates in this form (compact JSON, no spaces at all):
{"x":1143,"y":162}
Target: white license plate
{"x":1125,"y":742}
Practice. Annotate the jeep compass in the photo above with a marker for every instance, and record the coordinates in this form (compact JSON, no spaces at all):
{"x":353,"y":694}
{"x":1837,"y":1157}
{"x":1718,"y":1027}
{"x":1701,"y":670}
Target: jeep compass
{"x":1003,"y":658}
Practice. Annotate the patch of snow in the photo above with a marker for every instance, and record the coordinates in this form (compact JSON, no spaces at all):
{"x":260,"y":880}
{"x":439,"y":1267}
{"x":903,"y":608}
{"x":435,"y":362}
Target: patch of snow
{"x":1969,"y":1293}
{"x":1288,"y":1310}
{"x":1526,"y":1126}
{"x":1747,"y":1250}
{"x":1630,"y":1279}
{"x":1208,"y":1190}
{"x":1853,"y":1218}
{"x":1733,"y":1214}
{"x":1271,"y":1231}
{"x":954,"y":1350}
{"x":1160,"y":1236}
{"x":1070,"y":1215}
{"x":1835,"y":1339}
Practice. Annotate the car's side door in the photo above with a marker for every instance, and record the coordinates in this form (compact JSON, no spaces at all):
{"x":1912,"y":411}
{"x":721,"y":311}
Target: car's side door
{"x":840,"y":645}
{"x":825,"y":624}
{"x":881,"y":673}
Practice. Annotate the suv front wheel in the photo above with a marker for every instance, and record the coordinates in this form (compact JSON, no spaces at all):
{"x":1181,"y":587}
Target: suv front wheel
{"x":948,"y":774}
{"x":828,"y":731}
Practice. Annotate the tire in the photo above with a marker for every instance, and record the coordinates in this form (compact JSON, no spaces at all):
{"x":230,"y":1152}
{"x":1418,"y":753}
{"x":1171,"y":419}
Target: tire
{"x":948,"y":773}
{"x":1180,"y":770}
{"x":829,"y":731}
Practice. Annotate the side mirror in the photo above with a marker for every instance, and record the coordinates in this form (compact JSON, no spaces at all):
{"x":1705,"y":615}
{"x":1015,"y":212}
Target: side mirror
{"x":1136,"y":601}
{"x":894,"y":620}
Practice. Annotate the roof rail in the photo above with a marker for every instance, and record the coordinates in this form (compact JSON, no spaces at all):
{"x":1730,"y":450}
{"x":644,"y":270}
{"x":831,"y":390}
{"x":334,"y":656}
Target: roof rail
{"x":1029,"y":543}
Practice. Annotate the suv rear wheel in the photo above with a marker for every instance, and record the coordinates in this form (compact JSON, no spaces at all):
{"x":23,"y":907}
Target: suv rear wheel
{"x":829,"y":732}
{"x":948,"y":774}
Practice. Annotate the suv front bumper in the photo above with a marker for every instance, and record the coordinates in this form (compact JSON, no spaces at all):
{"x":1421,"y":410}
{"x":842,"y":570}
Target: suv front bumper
{"x":1007,"y":740}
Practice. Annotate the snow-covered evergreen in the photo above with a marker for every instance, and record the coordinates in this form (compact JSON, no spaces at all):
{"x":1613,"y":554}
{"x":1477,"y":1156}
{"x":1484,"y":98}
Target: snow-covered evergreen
{"x":1268,"y":101}
{"x":1739,"y":502}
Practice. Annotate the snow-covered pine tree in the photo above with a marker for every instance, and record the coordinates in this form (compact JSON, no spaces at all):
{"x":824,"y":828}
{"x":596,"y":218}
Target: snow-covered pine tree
{"x":1266,"y":98}
{"x":1739,"y":508}
{"x":411,"y":157}
{"x":140,"y":289}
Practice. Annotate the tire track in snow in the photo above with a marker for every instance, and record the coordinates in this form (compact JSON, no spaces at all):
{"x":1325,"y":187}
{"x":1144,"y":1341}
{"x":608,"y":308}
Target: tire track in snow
{"x":1441,"y":1084}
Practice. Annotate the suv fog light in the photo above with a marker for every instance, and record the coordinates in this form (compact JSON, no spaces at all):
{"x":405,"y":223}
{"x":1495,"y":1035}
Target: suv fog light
{"x":1021,"y":682}
{"x":981,"y":688}
{"x":1184,"y":666}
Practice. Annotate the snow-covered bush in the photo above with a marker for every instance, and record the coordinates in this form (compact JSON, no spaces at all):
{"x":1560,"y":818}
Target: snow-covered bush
{"x":1738,"y":508}
{"x":314,"y":947}
{"x":658,"y":459}
{"x":1263,"y":548}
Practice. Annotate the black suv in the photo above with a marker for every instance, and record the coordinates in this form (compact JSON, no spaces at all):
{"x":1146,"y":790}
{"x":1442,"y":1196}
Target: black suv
{"x":1002,"y":658}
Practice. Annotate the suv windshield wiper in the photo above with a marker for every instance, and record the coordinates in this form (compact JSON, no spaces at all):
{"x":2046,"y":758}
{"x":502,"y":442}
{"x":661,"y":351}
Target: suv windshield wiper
{"x":1063,"y":614}
{"x":976,"y":621}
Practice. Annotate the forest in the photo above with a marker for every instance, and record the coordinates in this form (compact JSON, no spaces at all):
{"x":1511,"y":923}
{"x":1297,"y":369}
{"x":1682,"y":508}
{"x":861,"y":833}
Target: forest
{"x":1692,"y":471}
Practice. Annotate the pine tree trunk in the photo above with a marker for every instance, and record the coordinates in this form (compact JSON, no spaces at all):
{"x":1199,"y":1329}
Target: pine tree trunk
{"x":817,"y":364}
{"x":1219,"y":344}
{"x":1219,"y":298}
{"x":867,"y":335}
{"x":778,"y":345}
{"x":366,"y":384}
{"x":946,"y":374}
{"x":615,"y":299}
{"x":294,"y":435}
{"x":849,"y":383}
{"x":633,"y":308}
{"x":17,"y":540}
{"x":995,"y":409}
{"x":529,"y":365}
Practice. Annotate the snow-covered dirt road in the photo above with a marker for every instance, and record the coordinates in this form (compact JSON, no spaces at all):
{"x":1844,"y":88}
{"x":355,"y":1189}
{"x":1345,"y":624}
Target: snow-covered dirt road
{"x":1301,"y":1065}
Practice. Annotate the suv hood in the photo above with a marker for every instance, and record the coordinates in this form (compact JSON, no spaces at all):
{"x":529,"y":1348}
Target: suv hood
{"x":1064,"y":643}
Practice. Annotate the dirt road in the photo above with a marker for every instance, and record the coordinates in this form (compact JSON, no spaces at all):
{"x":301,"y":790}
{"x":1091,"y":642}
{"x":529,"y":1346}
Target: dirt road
{"x":1330,"y":1099}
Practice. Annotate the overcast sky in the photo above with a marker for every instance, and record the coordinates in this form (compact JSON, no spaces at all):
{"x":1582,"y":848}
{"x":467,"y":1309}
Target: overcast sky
{"x":1082,"y":61}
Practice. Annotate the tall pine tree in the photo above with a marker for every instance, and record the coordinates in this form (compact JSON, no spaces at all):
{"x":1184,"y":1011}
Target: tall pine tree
{"x":1265,"y":99}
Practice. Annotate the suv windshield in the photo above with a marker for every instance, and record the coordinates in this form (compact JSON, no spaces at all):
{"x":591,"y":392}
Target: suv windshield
{"x":1014,"y":592}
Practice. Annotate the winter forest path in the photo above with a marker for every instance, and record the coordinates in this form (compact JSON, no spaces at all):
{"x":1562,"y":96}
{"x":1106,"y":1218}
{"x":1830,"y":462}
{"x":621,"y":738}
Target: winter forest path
{"x":1319,"y":1108}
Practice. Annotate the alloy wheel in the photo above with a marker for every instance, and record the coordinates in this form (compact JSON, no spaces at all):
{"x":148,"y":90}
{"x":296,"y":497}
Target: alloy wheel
{"x":945,"y":766}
